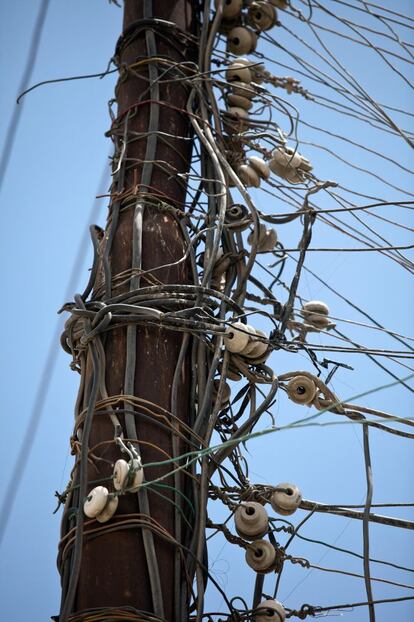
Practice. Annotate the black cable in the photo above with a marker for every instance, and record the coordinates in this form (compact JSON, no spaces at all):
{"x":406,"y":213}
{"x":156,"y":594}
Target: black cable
{"x":27,"y":74}
{"x":22,"y":457}
{"x":86,"y":76}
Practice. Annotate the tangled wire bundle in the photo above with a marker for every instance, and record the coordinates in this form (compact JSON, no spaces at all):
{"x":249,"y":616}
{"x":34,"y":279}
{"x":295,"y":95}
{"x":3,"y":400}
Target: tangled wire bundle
{"x":242,"y":133}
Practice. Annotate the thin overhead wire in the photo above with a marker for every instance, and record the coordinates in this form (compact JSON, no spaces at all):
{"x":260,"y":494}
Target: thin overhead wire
{"x":21,"y":461}
{"x":14,"y":122}
{"x":233,"y":273}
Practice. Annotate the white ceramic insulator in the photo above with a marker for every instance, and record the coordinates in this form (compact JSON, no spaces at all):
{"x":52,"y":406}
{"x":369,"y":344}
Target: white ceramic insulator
{"x":278,"y":158}
{"x":109,"y":510}
{"x":250,"y":349}
{"x":285,"y":171}
{"x":236,"y":337}
{"x":267,"y":239}
{"x":261,"y":16}
{"x":259,"y":166}
{"x":138,"y":475}
{"x":245,"y":61}
{"x":273,"y":611}
{"x":261,"y":556}
{"x":120,"y":476}
{"x":231,"y":8}
{"x":276,"y":167}
{"x":95,"y":501}
{"x":287,"y":157}
{"x":237,"y":71}
{"x":315,"y":306}
{"x":262,"y":232}
{"x":256,"y":348}
{"x":236,"y":119}
{"x":251,"y":520}
{"x":318,"y":321}
{"x":301,"y":390}
{"x":238,"y":101}
{"x":241,"y":40}
{"x":286,"y":163}
{"x":252,"y":331}
{"x":248,"y":176}
{"x":286,"y":503}
{"x":242,"y":89}
{"x":252,"y":334}
{"x":239,"y":113}
{"x":257,"y":354}
{"x":293,"y":158}
{"x":279,"y":163}
{"x":305,"y":164}
{"x":294,"y":177}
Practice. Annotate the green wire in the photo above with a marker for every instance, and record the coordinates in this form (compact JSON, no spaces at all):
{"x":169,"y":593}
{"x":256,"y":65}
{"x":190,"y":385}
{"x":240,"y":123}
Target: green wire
{"x":179,"y":492}
{"x":300,"y":423}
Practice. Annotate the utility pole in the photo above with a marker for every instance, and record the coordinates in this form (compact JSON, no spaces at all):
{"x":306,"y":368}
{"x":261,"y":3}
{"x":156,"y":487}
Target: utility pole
{"x":173,"y":310}
{"x":130,"y":562}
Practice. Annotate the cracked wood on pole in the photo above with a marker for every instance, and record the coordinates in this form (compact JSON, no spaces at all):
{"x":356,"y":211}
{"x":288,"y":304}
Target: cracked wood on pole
{"x":139,"y":235}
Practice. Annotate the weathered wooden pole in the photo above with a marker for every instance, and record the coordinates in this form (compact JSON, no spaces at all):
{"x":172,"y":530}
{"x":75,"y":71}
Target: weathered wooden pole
{"x":121,"y":563}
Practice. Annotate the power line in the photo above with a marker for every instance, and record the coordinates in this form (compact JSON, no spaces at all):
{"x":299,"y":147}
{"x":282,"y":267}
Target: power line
{"x":26,"y":77}
{"x":22,"y":457}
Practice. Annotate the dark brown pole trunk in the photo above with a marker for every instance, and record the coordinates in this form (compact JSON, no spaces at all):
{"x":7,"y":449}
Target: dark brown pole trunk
{"x":114,"y":569}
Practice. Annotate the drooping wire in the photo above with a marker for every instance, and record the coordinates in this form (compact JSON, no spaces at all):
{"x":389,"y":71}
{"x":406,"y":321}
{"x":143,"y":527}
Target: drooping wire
{"x":21,"y":460}
{"x":14,"y":122}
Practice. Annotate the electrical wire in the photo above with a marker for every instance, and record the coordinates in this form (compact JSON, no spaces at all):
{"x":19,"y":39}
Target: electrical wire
{"x":22,"y":458}
{"x":14,"y":122}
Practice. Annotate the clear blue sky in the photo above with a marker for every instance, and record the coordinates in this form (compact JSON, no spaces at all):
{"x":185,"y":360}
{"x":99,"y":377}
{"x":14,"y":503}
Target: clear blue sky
{"x":54,"y":174}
